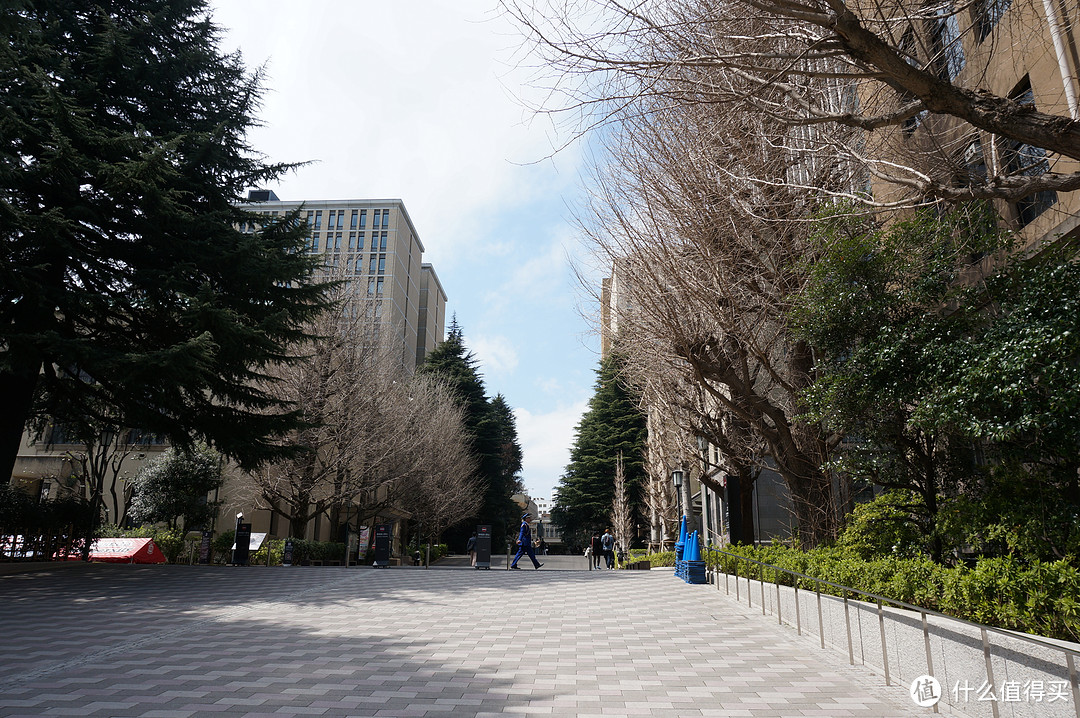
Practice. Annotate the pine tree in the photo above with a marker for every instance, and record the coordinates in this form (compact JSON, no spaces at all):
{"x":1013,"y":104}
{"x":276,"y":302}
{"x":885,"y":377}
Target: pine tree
{"x":613,"y":425}
{"x":491,"y":430}
{"x":127,"y":289}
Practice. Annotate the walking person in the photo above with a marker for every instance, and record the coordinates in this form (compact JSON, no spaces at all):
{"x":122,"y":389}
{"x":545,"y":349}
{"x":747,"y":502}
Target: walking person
{"x":470,"y":548}
{"x":607,"y":543}
{"x":596,"y":549}
{"x":525,"y":544}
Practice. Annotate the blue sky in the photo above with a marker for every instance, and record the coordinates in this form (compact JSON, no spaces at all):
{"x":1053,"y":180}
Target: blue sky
{"x":419,"y":101}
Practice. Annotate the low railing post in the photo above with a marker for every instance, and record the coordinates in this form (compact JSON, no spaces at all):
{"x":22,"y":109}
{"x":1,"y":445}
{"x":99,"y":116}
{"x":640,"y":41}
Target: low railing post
{"x":1072,"y":679}
{"x":779,"y":610}
{"x":929,"y":655}
{"x":847,"y":622}
{"x":989,"y":671}
{"x":798,"y":613}
{"x":820,"y":623}
{"x":761,"y":580}
{"x":884,"y":650}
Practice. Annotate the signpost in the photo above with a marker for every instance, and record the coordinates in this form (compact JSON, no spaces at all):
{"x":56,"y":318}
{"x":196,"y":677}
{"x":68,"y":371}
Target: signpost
{"x":382,"y":546}
{"x":483,"y":546}
{"x":204,"y":547}
{"x":243,"y":544}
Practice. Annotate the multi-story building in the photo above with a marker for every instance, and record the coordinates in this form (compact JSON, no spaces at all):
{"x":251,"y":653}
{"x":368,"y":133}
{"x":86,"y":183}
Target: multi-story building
{"x":373,"y":244}
{"x":370,"y":243}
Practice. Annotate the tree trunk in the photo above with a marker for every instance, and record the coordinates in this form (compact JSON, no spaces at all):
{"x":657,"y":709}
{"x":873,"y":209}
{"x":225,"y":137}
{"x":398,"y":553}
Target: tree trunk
{"x":17,"y":397}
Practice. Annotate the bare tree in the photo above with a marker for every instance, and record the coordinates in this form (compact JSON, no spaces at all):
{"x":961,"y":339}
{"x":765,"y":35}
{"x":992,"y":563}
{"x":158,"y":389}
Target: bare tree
{"x":712,"y":264}
{"x":444,"y":488}
{"x":889,"y":89}
{"x":360,"y":443}
{"x":622,"y":515}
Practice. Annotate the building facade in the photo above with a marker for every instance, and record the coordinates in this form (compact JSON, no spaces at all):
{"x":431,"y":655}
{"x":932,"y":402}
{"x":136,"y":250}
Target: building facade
{"x":373,"y":245}
{"x":370,"y":243}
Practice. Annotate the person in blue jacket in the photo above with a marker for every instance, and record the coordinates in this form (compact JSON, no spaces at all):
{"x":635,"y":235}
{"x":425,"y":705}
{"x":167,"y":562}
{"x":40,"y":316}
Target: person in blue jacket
{"x":525,"y":542}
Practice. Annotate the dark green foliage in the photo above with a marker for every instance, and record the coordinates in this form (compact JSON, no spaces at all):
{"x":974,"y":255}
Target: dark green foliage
{"x":959,"y":389}
{"x":493,"y":434}
{"x":47,"y":527}
{"x":890,"y":525}
{"x":1036,"y":597}
{"x":613,"y":423}
{"x":175,"y":486}
{"x":127,"y":291}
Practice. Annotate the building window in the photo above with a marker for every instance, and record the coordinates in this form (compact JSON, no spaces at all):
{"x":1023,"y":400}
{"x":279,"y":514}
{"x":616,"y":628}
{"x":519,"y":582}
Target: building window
{"x":337,"y":241}
{"x":974,"y":165}
{"x":318,"y":219}
{"x":363,"y":218}
{"x":352,"y":241}
{"x":948,"y":50}
{"x":1023,"y":159}
{"x":341,"y":219}
{"x":379,"y":285}
{"x":315,"y":243}
{"x":382,"y":264}
{"x":352,"y":220}
{"x":371,"y":287}
{"x":372,"y":264}
{"x":988,"y":14}
{"x":385,"y":218}
{"x":360,"y":242}
{"x":382,"y":242}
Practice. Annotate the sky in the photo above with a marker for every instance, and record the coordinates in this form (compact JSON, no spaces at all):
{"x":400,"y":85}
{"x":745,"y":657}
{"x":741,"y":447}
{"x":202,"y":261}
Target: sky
{"x":422,"y":101}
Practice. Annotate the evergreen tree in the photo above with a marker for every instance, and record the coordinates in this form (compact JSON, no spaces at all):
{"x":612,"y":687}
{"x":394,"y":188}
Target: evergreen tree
{"x":127,"y":287}
{"x":492,"y":435}
{"x":613,"y":425}
{"x":174,"y":487}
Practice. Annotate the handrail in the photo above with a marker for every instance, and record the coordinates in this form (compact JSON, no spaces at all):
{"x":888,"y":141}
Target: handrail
{"x":902,"y":604}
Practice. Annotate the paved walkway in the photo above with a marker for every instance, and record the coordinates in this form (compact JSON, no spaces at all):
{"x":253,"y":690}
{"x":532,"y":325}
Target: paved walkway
{"x":179,"y":641}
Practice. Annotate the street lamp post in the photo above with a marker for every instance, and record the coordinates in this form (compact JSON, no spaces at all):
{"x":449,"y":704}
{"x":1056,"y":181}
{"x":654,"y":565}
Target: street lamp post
{"x":682,"y":486}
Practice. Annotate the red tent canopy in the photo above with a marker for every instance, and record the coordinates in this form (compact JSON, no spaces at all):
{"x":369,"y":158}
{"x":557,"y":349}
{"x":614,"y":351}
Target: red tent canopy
{"x":126,"y":550}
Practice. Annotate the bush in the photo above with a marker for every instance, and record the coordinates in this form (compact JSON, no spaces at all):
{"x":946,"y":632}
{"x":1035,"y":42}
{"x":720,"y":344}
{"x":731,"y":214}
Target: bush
{"x":1034,"y":597}
{"x":661,"y":558}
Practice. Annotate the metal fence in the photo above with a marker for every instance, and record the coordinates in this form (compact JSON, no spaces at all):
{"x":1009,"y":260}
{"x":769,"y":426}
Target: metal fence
{"x":980,"y":670}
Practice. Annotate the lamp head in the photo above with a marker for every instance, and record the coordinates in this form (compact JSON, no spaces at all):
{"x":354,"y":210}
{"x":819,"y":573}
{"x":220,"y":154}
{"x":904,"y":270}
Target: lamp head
{"x":677,"y":477}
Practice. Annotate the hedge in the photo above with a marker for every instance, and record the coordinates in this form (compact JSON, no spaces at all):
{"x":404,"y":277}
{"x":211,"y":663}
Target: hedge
{"x":1041,"y":598}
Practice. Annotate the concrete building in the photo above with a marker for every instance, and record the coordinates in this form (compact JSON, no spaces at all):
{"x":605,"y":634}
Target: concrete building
{"x":374,"y":243}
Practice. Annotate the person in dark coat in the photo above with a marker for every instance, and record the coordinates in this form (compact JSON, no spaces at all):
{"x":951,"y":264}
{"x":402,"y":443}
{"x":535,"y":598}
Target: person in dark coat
{"x":595,"y":549}
{"x":525,"y":544}
{"x":470,"y":548}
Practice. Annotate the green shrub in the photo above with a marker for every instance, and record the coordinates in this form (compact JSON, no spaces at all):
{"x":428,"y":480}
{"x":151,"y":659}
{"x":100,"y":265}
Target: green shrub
{"x":222,"y":546}
{"x":1035,"y":597}
{"x":659,"y":558}
{"x":274,"y":547}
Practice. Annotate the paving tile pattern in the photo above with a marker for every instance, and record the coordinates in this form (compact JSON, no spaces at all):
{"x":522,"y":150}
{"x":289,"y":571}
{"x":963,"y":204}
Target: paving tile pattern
{"x":182,"y":642}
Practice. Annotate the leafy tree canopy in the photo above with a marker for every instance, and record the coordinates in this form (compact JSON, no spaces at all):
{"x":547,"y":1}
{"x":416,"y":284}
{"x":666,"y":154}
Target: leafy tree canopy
{"x":957,"y":384}
{"x":612,"y":425}
{"x":175,"y":486}
{"x":126,"y":284}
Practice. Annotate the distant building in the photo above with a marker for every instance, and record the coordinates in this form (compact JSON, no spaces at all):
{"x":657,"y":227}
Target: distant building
{"x":374,"y":243}
{"x":369,"y":241}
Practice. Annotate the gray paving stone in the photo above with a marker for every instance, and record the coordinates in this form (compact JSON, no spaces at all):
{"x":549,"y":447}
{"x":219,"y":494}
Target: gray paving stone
{"x":191,"y":642}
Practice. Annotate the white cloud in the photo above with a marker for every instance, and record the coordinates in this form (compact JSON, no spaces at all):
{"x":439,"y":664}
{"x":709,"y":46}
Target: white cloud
{"x":545,"y":440}
{"x":406,"y":100}
{"x":496,"y":354}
